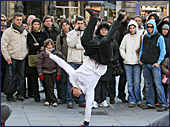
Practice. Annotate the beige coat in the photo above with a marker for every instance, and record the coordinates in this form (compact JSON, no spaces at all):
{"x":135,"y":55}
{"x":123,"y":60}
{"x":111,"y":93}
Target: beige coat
{"x":75,"y":49}
{"x":14,"y":44}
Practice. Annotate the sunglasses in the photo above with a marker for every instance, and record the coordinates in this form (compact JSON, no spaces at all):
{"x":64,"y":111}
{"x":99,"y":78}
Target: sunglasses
{"x":3,"y":20}
{"x":149,"y":26}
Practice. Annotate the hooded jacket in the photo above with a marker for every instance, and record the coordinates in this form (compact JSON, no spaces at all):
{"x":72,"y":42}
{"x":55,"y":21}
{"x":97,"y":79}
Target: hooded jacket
{"x":147,"y":55}
{"x":166,"y":37}
{"x":129,"y":45}
{"x":157,"y":20}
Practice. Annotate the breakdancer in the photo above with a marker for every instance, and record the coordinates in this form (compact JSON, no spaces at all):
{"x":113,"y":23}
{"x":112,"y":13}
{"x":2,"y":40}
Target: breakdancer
{"x":99,"y":53}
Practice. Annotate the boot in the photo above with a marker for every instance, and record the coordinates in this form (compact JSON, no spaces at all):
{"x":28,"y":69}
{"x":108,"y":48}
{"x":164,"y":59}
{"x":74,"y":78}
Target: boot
{"x":93,"y":13}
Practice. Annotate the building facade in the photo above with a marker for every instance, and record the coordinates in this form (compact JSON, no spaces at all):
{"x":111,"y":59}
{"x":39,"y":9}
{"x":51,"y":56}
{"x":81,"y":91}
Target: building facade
{"x":72,"y":9}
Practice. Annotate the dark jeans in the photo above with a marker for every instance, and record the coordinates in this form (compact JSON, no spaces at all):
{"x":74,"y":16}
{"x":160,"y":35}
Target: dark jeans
{"x":101,"y":91}
{"x":62,"y":86}
{"x":122,"y":81}
{"x":112,"y":88}
{"x":19,"y":68}
{"x":69,"y":86}
{"x":49,"y":87}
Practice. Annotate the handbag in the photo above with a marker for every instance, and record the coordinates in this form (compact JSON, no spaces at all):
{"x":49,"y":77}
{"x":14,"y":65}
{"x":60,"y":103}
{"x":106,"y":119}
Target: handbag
{"x":117,"y":69}
{"x":138,"y":50}
{"x":32,"y":59}
{"x":10,"y":85}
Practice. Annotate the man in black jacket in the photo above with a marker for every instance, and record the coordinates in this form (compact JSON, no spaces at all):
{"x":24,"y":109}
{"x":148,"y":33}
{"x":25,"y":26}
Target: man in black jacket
{"x":120,"y":34}
{"x":51,"y":31}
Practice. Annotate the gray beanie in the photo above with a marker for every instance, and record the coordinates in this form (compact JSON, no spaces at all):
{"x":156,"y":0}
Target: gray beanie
{"x":165,"y":26}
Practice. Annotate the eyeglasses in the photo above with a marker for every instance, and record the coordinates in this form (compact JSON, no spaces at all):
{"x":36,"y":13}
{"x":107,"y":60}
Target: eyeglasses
{"x":149,"y":26}
{"x":3,"y":20}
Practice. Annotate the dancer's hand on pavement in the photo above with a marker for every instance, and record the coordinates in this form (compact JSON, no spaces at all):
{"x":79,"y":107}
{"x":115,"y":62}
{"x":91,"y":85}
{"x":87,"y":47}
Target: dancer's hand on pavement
{"x":48,"y":52}
{"x":76,"y":92}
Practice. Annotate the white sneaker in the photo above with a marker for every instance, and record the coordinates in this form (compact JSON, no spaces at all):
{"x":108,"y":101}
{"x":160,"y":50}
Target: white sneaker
{"x":46,"y":103}
{"x":104,"y":104}
{"x":95,"y":104}
{"x":54,"y":104}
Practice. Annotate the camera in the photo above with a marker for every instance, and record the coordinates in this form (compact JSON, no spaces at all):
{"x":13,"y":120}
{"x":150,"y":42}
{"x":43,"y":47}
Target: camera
{"x":79,"y":29}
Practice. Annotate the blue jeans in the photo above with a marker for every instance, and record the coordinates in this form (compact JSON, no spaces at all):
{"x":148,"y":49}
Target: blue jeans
{"x":19,"y":67}
{"x":69,"y":86}
{"x":133,"y":75}
{"x":153,"y":75}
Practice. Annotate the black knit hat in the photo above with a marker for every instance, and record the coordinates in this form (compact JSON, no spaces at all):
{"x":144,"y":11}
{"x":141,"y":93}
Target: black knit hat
{"x":102,"y":25}
{"x":36,"y":20}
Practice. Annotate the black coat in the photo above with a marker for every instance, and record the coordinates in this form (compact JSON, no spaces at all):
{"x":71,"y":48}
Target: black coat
{"x":53,"y":33}
{"x":122,"y":31}
{"x":40,"y":38}
{"x":166,"y":37}
{"x":115,"y":56}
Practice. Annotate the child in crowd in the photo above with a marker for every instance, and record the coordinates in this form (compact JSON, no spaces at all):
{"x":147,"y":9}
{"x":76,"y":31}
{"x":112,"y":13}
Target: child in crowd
{"x":47,"y":69}
{"x":165,"y":75}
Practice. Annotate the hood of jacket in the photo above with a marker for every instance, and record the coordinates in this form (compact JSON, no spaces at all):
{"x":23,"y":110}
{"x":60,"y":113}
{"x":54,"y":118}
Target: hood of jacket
{"x":157,"y":20}
{"x":159,"y":27}
{"x":133,"y":22}
{"x":151,"y":21}
{"x":102,"y":25}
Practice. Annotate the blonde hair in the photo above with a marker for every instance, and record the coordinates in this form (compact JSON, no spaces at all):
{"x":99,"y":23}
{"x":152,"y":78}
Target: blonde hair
{"x":32,"y":22}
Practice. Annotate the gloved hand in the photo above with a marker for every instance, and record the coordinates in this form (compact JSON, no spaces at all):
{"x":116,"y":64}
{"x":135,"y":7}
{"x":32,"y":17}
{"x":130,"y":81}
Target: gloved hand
{"x":120,"y":17}
{"x":58,"y":77}
{"x":41,"y":77}
{"x":167,"y":73}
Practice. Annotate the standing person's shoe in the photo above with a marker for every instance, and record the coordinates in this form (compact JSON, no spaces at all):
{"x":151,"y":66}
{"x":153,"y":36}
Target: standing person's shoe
{"x":46,"y":103}
{"x":147,"y":107}
{"x":61,"y":101}
{"x":141,"y":105}
{"x":95,"y":104}
{"x":82,"y":105}
{"x":112,"y":101}
{"x":26,"y":97}
{"x":37,"y":99}
{"x":122,"y":99}
{"x":11,"y":98}
{"x":20,"y":97}
{"x":70,"y":105}
{"x":104,"y":104}
{"x":54,"y":104}
{"x":162,"y":108}
{"x":92,"y":12}
{"x":131,"y":105}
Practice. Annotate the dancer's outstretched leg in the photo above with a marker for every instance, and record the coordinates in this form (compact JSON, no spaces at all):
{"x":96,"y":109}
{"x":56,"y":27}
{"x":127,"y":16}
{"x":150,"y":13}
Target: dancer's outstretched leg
{"x":87,"y":38}
{"x":69,"y":69}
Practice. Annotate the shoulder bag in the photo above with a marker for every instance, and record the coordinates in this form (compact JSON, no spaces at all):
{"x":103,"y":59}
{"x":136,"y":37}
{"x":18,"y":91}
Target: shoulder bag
{"x":32,"y":59}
